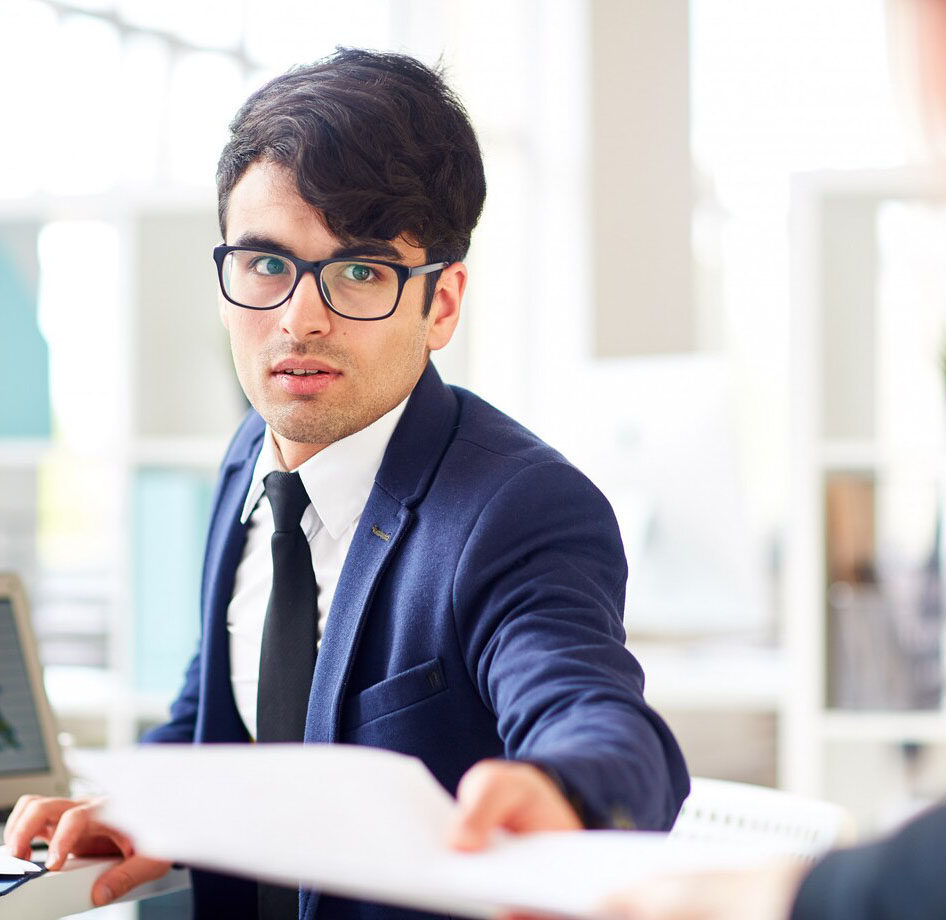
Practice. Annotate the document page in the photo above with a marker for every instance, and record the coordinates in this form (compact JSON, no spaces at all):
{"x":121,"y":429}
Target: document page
{"x":11,"y":866}
{"x":364,"y":823}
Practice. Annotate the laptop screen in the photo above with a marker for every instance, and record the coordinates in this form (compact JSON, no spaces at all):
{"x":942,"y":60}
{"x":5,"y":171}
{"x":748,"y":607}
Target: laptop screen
{"x":22,"y":749}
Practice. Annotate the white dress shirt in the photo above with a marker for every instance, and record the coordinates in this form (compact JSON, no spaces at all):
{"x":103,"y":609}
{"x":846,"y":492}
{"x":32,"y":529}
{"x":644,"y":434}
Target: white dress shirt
{"x":338,"y":480}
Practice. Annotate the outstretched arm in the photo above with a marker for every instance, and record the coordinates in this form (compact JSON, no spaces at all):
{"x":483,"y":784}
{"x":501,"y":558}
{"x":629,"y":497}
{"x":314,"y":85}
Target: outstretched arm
{"x":538,"y":600}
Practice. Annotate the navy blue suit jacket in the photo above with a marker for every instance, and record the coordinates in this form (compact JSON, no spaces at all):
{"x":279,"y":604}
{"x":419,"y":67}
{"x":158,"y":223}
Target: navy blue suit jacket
{"x":898,"y":878}
{"x":478,"y":614}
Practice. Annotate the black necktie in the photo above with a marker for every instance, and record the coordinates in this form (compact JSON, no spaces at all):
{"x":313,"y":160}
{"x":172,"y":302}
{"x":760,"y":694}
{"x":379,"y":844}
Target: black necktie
{"x":287,"y":654}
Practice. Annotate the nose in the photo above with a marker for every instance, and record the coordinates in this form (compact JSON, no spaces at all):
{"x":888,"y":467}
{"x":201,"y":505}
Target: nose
{"x":305,"y":314}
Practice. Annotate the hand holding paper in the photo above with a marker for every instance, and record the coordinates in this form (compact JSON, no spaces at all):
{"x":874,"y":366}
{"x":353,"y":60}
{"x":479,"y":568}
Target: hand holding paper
{"x":73,"y":828}
{"x":505,"y":794}
{"x":765,"y":893}
{"x":361,"y":822}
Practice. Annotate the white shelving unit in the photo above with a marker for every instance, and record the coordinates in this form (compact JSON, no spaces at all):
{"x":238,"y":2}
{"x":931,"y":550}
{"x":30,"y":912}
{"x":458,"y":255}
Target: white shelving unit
{"x":844,"y":347}
{"x":170,"y":403}
{"x":713,"y":677}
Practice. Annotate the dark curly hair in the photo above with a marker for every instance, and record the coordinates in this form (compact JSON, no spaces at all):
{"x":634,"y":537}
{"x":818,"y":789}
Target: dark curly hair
{"x":376,"y":141}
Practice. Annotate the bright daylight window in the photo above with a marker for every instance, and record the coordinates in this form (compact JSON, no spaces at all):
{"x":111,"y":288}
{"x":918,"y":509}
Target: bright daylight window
{"x":776,"y":89}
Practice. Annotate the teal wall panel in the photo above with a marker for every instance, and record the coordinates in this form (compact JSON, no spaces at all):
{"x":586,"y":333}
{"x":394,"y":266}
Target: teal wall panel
{"x":171,"y":509}
{"x":24,"y":355}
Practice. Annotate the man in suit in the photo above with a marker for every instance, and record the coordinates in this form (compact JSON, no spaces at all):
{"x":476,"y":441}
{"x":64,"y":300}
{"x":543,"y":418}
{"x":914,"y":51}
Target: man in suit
{"x":393,"y":562}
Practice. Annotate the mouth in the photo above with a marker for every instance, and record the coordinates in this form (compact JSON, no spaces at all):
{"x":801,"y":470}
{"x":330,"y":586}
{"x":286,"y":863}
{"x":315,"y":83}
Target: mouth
{"x":303,"y":367}
{"x":300,"y":377}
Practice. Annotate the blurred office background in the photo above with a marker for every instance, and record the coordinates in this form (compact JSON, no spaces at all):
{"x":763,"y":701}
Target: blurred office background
{"x":711,"y":269}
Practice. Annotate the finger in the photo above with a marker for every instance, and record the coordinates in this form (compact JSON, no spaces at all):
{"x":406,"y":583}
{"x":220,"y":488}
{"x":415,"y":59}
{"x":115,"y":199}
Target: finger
{"x":72,"y":827}
{"x":530,"y":917}
{"x":486,"y":796}
{"x":627,"y":906}
{"x":516,"y":796}
{"x":16,"y":814}
{"x":38,"y":818}
{"x":690,"y":896}
{"x":8,"y":831}
{"x":79,"y":831}
{"x":130,"y":873}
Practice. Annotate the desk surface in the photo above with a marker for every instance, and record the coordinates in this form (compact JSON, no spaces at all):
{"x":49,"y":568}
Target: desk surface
{"x":68,"y":891}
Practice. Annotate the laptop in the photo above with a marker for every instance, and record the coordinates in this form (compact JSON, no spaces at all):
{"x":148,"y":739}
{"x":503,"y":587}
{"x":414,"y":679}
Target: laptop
{"x":30,"y":758}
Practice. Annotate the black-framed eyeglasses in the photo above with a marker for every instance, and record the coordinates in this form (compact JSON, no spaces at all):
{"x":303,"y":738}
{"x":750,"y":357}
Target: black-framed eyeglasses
{"x":362,"y":289}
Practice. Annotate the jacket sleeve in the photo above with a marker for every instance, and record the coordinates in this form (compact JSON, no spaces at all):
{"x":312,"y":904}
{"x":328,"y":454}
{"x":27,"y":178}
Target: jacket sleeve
{"x":180,"y":728}
{"x":900,"y":878}
{"x":538,"y":604}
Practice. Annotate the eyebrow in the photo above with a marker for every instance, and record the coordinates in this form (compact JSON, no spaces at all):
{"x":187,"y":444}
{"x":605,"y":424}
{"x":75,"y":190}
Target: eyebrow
{"x":255,"y":241}
{"x":368,"y":248}
{"x":375,"y":248}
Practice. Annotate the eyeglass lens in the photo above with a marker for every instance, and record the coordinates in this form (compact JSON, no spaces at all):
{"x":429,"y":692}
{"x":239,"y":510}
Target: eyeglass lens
{"x":361,"y":289}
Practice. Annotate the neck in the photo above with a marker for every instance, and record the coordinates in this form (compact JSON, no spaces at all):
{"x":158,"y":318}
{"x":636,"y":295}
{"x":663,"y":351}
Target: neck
{"x":292,"y":454}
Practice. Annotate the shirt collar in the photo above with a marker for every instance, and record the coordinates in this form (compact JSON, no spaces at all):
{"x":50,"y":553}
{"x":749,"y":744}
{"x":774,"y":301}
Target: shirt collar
{"x":338,"y":479}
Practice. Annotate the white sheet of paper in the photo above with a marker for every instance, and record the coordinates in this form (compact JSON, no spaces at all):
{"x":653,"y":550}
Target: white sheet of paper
{"x":10,"y":865}
{"x":361,"y":822}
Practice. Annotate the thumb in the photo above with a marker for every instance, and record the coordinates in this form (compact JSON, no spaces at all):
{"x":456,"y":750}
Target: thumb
{"x":128,"y":874}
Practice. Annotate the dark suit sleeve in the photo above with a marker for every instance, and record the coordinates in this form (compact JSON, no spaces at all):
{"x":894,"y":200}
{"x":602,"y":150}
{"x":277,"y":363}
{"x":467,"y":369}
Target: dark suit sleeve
{"x":538,"y":601}
{"x":900,"y":878}
{"x":180,"y":728}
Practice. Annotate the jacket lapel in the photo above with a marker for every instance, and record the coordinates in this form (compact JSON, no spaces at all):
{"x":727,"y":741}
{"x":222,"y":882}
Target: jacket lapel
{"x":383,"y":524}
{"x":409,"y":463}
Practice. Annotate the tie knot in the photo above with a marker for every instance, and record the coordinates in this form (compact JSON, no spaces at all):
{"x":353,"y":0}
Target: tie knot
{"x":288,"y":498}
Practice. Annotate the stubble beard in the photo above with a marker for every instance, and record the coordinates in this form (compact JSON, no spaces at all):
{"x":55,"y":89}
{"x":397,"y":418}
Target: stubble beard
{"x":305,"y":421}
{"x":325,"y":418}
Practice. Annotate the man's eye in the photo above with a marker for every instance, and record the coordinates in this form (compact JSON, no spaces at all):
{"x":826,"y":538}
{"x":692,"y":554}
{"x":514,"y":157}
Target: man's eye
{"x":268,"y":265}
{"x":358,"y":272}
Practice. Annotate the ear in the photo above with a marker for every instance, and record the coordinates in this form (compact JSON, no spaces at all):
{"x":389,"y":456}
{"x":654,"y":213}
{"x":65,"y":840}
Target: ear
{"x":445,"y":308}
{"x":224,"y":312}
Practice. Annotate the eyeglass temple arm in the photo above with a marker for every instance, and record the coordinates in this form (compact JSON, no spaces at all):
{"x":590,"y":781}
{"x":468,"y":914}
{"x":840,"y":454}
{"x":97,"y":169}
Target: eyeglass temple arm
{"x":427,"y":269}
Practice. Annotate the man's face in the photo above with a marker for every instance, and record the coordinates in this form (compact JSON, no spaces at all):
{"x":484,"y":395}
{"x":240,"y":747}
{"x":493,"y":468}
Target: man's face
{"x":367,"y":368}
